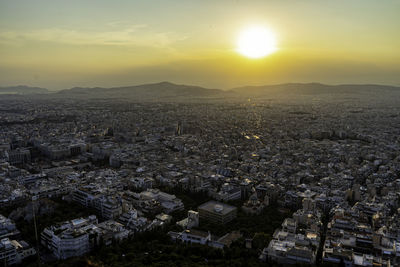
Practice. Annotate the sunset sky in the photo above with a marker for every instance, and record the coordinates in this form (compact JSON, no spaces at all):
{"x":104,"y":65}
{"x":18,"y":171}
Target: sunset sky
{"x":60,"y":44}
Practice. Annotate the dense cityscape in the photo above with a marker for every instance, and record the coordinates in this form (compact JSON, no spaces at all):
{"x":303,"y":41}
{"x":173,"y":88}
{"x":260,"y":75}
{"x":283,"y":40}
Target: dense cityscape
{"x":193,"y":133}
{"x":268,"y":182}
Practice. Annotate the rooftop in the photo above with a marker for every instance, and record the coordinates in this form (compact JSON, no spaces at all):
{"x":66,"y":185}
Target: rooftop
{"x":217,"y":207}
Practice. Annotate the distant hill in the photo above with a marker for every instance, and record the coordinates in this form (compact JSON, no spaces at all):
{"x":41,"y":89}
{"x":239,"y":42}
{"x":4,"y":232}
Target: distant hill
{"x":162,"y":90}
{"x":22,"y":89}
{"x":166,"y":91}
{"x":314,"y":89}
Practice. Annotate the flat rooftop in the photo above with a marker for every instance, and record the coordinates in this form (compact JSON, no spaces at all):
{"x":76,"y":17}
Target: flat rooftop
{"x":210,"y":206}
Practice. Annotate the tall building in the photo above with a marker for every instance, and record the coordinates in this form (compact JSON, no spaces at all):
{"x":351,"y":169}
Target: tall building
{"x":19,"y":156}
{"x":217,"y":212}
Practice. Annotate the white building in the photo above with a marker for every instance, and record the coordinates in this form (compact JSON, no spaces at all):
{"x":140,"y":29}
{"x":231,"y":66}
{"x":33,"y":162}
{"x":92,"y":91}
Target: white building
{"x":169,"y":203}
{"x":191,"y":236}
{"x":191,"y":221}
{"x":70,"y":239}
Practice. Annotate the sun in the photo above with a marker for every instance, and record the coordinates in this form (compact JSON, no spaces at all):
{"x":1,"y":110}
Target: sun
{"x":256,"y":42}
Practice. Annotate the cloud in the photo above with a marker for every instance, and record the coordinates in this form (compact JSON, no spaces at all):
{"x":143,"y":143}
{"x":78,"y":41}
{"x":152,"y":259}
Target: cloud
{"x":129,"y":36}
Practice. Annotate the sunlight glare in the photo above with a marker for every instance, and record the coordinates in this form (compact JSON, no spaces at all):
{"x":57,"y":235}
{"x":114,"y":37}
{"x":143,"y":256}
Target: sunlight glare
{"x":256,"y":42}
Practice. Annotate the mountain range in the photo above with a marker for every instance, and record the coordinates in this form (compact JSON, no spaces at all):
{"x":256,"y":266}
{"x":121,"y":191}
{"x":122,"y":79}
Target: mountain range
{"x":162,"y":90}
{"x":170,"y":91}
{"x":314,"y":89}
{"x":22,"y":89}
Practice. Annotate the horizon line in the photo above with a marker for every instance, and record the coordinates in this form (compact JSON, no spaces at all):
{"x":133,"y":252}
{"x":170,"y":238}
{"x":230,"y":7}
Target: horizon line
{"x":209,"y":88}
